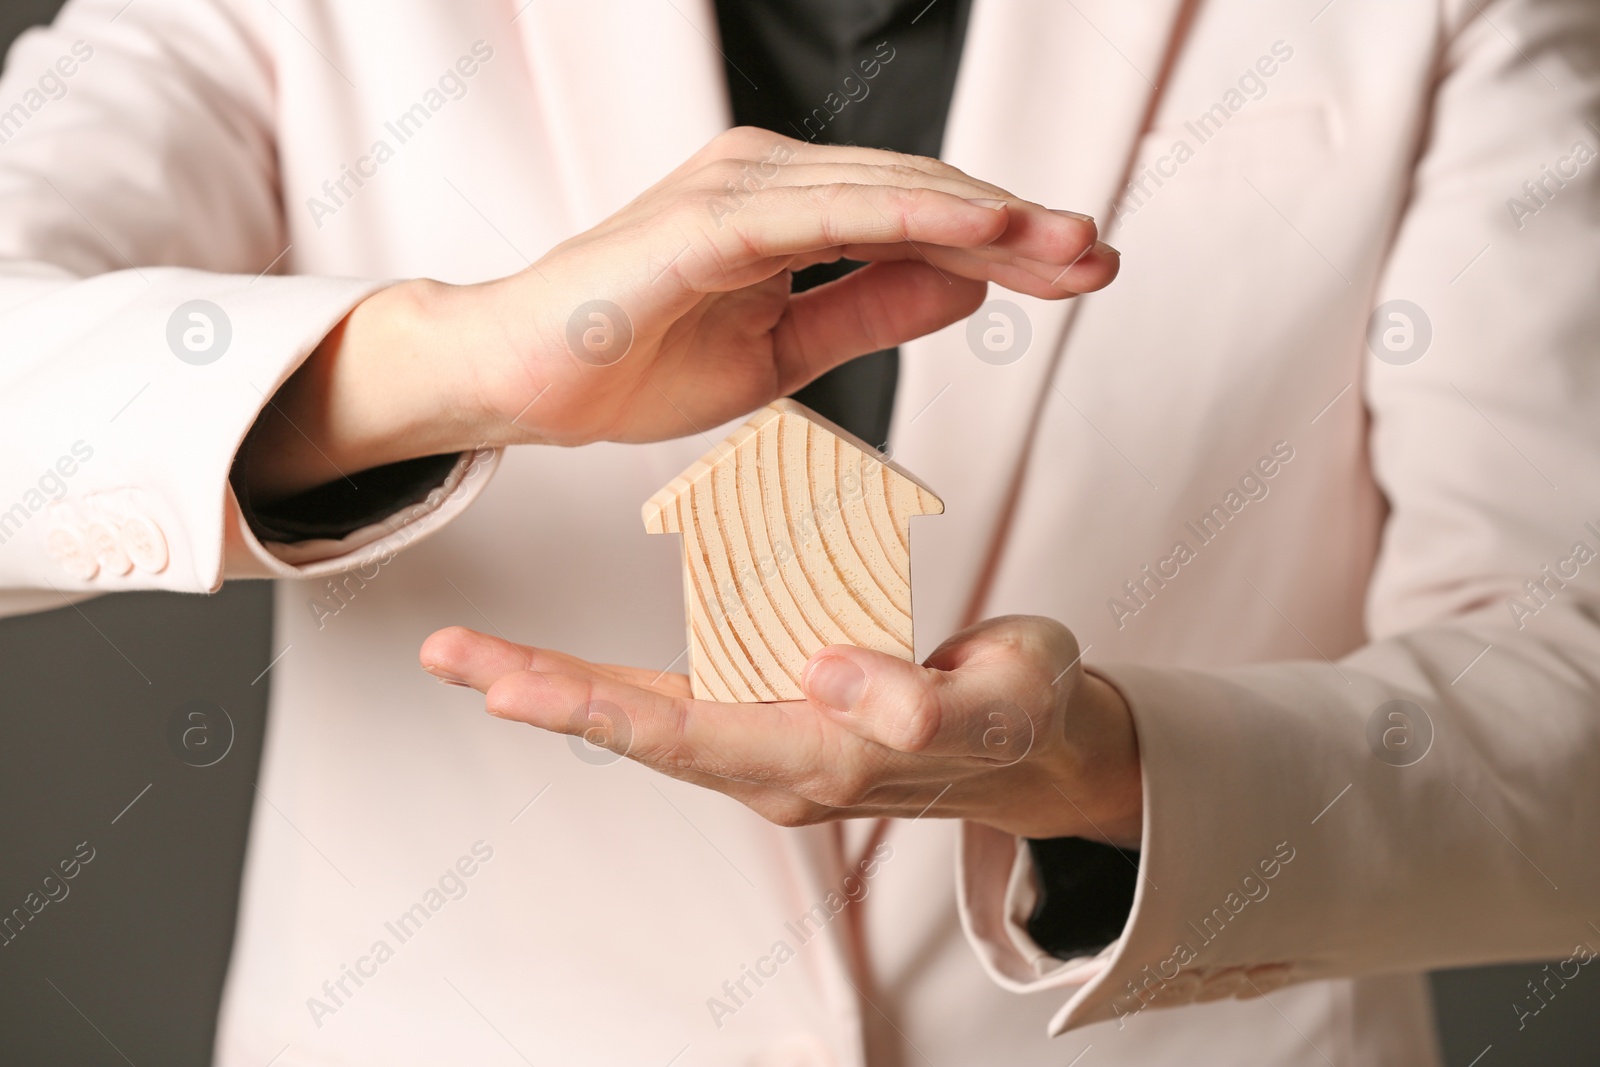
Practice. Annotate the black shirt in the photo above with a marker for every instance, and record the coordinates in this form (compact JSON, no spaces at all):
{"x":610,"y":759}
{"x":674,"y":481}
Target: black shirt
{"x":877,"y":73}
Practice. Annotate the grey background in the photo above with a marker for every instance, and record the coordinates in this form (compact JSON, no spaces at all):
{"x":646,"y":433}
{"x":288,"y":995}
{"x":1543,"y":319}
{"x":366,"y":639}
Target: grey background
{"x":127,"y":969}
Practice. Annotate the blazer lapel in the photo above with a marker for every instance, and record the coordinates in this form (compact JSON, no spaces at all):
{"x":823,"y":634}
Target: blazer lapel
{"x":1050,"y":102}
{"x":629,"y":91}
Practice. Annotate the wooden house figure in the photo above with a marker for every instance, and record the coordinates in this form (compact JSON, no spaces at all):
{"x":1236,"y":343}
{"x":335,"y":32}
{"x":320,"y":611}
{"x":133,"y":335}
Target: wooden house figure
{"x":796,"y":535}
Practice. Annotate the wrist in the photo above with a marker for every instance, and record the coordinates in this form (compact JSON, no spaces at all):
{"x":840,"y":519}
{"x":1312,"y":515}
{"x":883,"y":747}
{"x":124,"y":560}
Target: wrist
{"x":1117,"y":773}
{"x":1089,"y":785}
{"x":370,"y":394}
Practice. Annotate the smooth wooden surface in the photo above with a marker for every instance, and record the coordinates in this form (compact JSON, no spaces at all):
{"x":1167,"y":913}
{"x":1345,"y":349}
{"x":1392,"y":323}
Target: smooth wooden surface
{"x":796,"y":535}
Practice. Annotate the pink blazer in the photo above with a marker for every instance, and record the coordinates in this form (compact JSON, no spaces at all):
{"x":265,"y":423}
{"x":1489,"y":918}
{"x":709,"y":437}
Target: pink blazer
{"x":1316,"y":483}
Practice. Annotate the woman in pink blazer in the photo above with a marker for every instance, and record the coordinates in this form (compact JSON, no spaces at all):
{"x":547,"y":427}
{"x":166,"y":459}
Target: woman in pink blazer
{"x":1281,"y":545}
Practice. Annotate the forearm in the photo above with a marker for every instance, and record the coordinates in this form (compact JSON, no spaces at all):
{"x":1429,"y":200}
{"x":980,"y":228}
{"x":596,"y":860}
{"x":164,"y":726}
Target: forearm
{"x":1290,"y":839}
{"x":379,"y":389}
{"x":1421,"y":807}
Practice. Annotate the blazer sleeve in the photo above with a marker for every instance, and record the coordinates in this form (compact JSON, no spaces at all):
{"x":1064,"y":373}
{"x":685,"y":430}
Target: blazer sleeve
{"x":140,"y":227}
{"x":1429,"y":800}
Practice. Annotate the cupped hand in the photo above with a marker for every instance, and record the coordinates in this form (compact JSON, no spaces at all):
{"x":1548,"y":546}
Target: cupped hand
{"x":1001,"y":726}
{"x":672,"y":316}
{"x":675,"y":314}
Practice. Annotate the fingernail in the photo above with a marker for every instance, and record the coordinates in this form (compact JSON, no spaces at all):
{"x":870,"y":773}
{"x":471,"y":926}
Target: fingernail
{"x":995,"y":205}
{"x":1101,"y":246}
{"x":1072,"y":214}
{"x":441,"y":675}
{"x":836,"y":682}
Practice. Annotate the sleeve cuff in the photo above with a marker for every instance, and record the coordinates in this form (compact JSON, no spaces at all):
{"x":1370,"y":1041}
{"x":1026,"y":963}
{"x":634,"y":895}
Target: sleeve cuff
{"x":344,"y":505}
{"x":369,"y":545}
{"x":997,"y":891}
{"x":1159,"y":958}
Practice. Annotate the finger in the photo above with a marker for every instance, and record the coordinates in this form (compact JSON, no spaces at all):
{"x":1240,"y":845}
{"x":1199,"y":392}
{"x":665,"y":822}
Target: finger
{"x":605,"y":728}
{"x":1044,"y":235}
{"x":464,"y":656}
{"x":877,"y":170}
{"x":1041,"y":280}
{"x":1032,"y":280}
{"x":877,"y":307}
{"x":985,"y":695}
{"x":755,"y":152}
{"x":778,"y":223}
{"x":821,"y":255}
{"x":780,"y":745}
{"x":765,"y":149}
{"x":785,"y":760}
{"x":741,"y":162}
{"x":1093,"y":270}
{"x":1033,"y":231}
{"x":1046,"y":280}
{"x":604,"y":724}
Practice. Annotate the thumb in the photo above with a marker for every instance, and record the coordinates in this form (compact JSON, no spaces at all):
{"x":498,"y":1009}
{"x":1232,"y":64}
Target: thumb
{"x":916,"y":709}
{"x":879,"y":306}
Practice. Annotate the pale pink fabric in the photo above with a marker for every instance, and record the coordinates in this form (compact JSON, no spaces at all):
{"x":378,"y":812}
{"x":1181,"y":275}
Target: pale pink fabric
{"x":1374,"y":163}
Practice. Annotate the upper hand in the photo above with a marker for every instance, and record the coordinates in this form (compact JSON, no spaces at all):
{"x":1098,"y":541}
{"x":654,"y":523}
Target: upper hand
{"x":700,"y":263}
{"x":697,"y":324}
{"x":1002,"y":726}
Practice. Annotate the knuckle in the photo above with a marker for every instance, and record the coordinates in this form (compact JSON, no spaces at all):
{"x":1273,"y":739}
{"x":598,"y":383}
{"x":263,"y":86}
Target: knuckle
{"x":738,"y":244}
{"x":891,"y":157}
{"x":904,"y":172}
{"x":724,"y":169}
{"x":723,"y":144}
{"x":829,"y":196}
{"x":920,"y":721}
{"x":711,"y":249}
{"x":829,"y":204}
{"x":738,"y":138}
{"x":724,"y":178}
{"x":666,"y":744}
{"x":941,"y":168}
{"x":909,"y":198}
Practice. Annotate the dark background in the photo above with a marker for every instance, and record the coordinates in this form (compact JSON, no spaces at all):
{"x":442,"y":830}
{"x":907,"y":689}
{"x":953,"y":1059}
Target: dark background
{"x":128,"y":967}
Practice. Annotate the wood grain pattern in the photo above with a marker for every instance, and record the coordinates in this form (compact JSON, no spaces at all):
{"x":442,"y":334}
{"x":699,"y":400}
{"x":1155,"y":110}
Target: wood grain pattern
{"x":796,"y":535}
